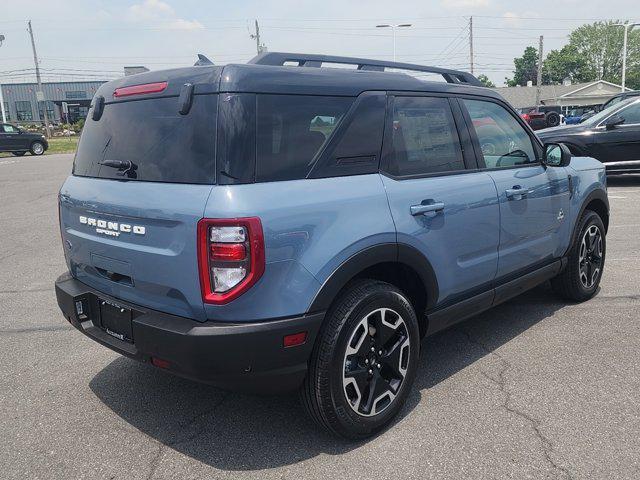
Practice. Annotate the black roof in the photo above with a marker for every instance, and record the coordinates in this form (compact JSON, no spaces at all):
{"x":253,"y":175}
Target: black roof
{"x":267,"y":74}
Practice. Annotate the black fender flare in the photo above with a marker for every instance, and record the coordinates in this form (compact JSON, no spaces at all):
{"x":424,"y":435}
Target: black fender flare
{"x":368,"y":257}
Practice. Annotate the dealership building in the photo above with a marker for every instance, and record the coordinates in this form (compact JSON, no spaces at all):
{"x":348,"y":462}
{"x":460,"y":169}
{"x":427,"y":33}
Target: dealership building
{"x":567,"y":96}
{"x":21,"y":103}
{"x":22,"y":106}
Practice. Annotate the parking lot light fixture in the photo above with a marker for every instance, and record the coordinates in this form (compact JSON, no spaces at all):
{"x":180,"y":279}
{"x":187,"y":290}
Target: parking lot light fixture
{"x":4,"y":116}
{"x":393,"y":30}
{"x":627,"y":26}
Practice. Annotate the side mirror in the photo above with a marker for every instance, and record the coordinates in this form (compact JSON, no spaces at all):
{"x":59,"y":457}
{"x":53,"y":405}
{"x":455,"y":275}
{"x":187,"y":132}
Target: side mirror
{"x":556,"y":155}
{"x":613,"y":121}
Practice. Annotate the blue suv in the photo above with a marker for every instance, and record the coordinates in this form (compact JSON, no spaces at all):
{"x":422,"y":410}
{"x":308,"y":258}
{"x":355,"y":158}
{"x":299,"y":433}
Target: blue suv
{"x":284,"y":225}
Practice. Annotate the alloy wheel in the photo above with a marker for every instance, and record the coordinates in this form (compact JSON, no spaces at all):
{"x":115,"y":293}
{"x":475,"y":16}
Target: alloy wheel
{"x":590,"y":257}
{"x":375,"y":362}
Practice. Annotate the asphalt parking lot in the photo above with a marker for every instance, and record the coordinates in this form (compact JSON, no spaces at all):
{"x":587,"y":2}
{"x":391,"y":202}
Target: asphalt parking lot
{"x":531,"y":389}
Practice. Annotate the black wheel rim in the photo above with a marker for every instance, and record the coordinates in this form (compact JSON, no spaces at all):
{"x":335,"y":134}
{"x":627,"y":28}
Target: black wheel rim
{"x":375,"y":362}
{"x":590,"y":257}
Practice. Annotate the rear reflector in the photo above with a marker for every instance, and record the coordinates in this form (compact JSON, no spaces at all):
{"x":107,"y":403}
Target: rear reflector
{"x":140,"y":89}
{"x":228,"y":252}
{"x":294,"y":339}
{"x":160,"y":363}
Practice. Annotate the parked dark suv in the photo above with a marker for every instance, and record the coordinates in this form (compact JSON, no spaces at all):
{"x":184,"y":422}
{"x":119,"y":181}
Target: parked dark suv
{"x":612,"y":136}
{"x":282,"y":225}
{"x":18,"y":141}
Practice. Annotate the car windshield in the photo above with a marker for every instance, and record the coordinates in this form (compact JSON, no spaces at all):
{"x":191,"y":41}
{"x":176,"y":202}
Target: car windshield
{"x":598,"y":117}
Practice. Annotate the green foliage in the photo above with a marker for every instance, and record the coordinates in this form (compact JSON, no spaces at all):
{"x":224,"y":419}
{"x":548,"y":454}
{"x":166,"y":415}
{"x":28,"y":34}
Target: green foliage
{"x":594,"y":52}
{"x":526,"y":68}
{"x":485,"y":81}
{"x":565,"y":63}
{"x":78,"y":126}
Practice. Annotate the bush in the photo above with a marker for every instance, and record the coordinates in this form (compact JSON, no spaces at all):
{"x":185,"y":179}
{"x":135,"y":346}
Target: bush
{"x":78,"y":126}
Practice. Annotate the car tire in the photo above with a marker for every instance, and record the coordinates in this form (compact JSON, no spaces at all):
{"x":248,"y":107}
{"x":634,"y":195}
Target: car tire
{"x":552,"y":119}
{"x":580,"y":279}
{"x":18,"y":154}
{"x":37,"y":148}
{"x":369,"y":343}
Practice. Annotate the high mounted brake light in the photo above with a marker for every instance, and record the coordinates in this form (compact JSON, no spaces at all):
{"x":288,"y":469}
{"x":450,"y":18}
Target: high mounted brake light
{"x":140,"y":89}
{"x":231,"y":257}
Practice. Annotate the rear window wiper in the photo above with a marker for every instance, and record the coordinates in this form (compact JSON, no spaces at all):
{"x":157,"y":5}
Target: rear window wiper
{"x":125,"y":167}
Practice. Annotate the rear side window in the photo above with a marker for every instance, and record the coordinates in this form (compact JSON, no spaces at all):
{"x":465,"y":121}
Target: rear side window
{"x":161,"y":144}
{"x":424,"y":137}
{"x":291,"y":130}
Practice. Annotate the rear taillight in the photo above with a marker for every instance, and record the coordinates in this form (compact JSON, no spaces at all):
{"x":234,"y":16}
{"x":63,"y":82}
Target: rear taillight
{"x":230,"y":257}
{"x":525,"y":117}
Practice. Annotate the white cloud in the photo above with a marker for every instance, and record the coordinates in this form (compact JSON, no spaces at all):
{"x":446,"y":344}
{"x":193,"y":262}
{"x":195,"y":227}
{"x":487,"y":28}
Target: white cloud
{"x":182,"y":24}
{"x":465,"y":3}
{"x":159,"y":11}
{"x":516,"y":19}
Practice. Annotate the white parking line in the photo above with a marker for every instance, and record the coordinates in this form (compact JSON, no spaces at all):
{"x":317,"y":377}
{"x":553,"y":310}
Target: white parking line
{"x":8,"y":162}
{"x":613,"y":197}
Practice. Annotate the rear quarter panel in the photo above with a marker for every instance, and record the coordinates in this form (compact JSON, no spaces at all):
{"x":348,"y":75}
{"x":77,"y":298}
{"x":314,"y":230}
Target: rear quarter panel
{"x":310,"y":228}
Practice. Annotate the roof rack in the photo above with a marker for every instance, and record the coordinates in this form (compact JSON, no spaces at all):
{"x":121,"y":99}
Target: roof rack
{"x":310,"y":60}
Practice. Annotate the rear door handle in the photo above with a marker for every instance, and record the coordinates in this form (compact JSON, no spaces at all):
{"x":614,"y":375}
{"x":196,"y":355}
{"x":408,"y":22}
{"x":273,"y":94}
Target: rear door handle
{"x":426,"y":208}
{"x":517,"y":193}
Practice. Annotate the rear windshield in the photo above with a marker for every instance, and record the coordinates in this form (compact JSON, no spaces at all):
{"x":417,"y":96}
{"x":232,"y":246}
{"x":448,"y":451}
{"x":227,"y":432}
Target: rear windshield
{"x":161,"y":144}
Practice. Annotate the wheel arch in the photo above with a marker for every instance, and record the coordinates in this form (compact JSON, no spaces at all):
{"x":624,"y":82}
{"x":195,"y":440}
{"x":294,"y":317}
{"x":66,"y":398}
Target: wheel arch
{"x":399,"y":264}
{"x":598,"y":202}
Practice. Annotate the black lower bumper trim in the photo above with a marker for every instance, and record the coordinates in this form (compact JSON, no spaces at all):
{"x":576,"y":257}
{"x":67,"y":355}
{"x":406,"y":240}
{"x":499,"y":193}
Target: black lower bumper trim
{"x":240,"y":356}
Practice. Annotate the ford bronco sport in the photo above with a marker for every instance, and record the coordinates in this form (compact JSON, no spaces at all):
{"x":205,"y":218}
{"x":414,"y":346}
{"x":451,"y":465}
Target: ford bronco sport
{"x":282,"y":225}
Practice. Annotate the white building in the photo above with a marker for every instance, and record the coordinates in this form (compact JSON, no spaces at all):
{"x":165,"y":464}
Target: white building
{"x":567,"y":96}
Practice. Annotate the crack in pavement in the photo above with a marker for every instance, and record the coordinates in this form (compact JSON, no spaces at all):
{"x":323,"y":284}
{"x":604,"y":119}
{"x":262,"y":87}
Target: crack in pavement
{"x":26,"y":290}
{"x":50,"y":328}
{"x":162,"y":446}
{"x":500,"y":382}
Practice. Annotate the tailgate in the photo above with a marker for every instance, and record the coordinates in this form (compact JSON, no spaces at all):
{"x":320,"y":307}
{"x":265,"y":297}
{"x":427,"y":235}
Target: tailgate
{"x":135,"y":240}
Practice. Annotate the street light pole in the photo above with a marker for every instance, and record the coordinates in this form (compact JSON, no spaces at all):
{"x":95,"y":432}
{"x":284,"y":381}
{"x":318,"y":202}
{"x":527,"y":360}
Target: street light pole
{"x":4,"y":116}
{"x":393,"y":32}
{"x":627,"y":26}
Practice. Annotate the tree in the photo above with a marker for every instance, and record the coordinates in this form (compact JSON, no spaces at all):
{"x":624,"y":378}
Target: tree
{"x":526,"y":68}
{"x":484,"y":80}
{"x":565,"y":63}
{"x":594,"y":52}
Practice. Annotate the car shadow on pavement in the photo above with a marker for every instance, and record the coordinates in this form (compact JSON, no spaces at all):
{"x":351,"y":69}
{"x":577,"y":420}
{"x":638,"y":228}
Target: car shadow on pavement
{"x":240,"y":432}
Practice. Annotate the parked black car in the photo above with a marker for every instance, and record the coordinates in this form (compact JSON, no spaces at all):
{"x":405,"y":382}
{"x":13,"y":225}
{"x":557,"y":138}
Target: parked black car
{"x":612,"y":101}
{"x":18,"y":141}
{"x":612,"y":136}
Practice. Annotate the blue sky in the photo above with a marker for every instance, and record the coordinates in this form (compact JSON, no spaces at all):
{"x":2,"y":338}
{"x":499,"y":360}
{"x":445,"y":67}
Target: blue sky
{"x":100,"y":37}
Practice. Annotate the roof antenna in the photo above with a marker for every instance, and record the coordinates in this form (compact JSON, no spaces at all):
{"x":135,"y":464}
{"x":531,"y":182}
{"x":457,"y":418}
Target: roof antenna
{"x":202,"y":60}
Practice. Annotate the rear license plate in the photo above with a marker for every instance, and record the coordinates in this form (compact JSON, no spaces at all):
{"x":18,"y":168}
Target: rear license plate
{"x":116,"y":320}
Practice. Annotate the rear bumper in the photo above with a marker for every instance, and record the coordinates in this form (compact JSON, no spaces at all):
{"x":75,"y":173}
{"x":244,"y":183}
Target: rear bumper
{"x":241,"y":356}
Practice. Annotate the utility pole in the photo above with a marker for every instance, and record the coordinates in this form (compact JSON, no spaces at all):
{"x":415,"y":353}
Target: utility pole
{"x":539,"y":79}
{"x":627,"y":26}
{"x":260,"y":47}
{"x":39,"y":94}
{"x":471,"y":44}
